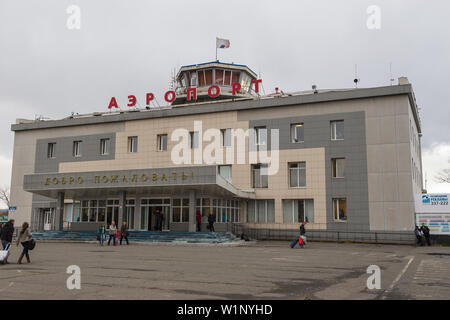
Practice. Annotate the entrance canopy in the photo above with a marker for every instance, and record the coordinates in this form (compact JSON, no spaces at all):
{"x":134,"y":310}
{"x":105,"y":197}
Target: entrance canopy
{"x":77,"y":185}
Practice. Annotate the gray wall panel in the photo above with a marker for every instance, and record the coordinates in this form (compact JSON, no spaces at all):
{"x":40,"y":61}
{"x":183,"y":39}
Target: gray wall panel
{"x":354,"y":187}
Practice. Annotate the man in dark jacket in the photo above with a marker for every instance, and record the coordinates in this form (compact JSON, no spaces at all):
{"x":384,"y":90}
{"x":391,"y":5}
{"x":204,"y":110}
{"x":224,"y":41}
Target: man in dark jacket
{"x":211,"y":220}
{"x":158,"y":222}
{"x":7,"y":234}
{"x":426,"y":232}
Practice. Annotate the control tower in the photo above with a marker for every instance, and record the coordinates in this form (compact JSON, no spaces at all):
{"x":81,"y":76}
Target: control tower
{"x":204,"y":75}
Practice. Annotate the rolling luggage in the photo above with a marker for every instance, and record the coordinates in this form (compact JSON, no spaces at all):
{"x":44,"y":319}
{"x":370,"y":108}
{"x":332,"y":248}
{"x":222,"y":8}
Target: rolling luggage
{"x":300,"y":241}
{"x":294,"y":243}
{"x":4,"y":254}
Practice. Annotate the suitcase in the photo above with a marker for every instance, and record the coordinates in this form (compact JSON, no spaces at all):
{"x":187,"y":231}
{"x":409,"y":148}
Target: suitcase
{"x":303,"y":239}
{"x":4,"y":254}
{"x":300,"y":242}
{"x":294,"y":243}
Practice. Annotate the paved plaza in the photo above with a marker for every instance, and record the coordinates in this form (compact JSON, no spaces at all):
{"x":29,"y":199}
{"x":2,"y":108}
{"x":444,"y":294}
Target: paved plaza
{"x":251,"y":270}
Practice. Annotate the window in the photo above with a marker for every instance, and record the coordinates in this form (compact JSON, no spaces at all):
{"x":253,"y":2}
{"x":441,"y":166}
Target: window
{"x":162,"y":142}
{"x":259,"y":180}
{"x":193,"y":78}
{"x":180,"y":210}
{"x":340,"y":209}
{"x":226,"y":137}
{"x":51,"y":148}
{"x":297,"y":174}
{"x":298,"y":210}
{"x":104,"y":146}
{"x":208,"y":77}
{"x":193,"y":136}
{"x":227,"y":79}
{"x":235,"y":77}
{"x":337,"y":130}
{"x":338,"y":167}
{"x":77,"y":148}
{"x":225,"y":210}
{"x":132,"y":144}
{"x":297,"y":133}
{"x":261,"y":211}
{"x":219,"y":76}
{"x":225,"y":172}
{"x":76,"y":211}
{"x":260,"y":136}
{"x":91,"y":211}
{"x":130,"y":209}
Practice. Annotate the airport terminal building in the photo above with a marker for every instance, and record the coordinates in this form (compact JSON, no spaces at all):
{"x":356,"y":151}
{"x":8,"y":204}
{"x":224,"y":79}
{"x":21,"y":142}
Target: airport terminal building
{"x":347,"y":159}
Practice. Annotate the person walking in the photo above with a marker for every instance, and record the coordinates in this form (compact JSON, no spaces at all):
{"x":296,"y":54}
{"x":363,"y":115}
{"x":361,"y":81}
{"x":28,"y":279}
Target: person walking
{"x":418,"y":234}
{"x":303,"y":233}
{"x":199,"y":221}
{"x":101,"y":234}
{"x":211,"y":220}
{"x":124,"y":232}
{"x":426,"y":233}
{"x":161,"y":219}
{"x":7,"y":234}
{"x":156,"y":214}
{"x":112,"y":233}
{"x":24,"y":239}
{"x":117,"y":236}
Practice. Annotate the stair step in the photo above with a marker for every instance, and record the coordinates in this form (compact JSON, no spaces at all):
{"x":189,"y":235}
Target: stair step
{"x":143,"y":236}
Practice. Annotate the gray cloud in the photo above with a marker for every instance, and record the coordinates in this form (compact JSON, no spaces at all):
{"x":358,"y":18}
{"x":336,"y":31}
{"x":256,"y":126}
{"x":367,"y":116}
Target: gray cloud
{"x":131,"y":47}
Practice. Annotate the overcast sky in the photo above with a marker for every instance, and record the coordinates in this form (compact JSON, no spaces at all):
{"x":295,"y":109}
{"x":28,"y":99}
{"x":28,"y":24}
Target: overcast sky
{"x":131,"y":47}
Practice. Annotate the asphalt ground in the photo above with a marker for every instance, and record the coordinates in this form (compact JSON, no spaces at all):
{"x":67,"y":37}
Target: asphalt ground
{"x":250,"y":270}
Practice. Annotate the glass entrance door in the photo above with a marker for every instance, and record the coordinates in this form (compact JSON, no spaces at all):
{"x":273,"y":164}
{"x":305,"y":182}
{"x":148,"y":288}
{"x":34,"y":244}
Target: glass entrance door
{"x":166,"y":218}
{"x":112,"y":214}
{"x":145,"y":219}
{"x":48,"y":219}
{"x":149,"y":207}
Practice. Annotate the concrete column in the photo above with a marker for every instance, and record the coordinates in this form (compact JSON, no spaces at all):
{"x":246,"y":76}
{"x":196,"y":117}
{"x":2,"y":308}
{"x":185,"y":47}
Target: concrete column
{"x":192,"y":204}
{"x":122,"y":206}
{"x":60,"y":211}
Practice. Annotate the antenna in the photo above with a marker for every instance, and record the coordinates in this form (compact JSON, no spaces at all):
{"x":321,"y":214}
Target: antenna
{"x":172,"y":80}
{"x":390,"y":74}
{"x":262,"y":85}
{"x":426,"y":180}
{"x":356,"y":80}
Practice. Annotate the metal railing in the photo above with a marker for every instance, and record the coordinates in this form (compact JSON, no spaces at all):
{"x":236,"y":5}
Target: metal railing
{"x":324,"y":235}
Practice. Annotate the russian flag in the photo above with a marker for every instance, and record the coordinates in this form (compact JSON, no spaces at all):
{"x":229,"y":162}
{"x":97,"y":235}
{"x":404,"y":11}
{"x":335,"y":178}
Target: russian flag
{"x":222,"y":43}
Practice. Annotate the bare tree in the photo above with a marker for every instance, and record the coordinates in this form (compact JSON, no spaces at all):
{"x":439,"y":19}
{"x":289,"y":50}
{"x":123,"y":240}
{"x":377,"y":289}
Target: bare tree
{"x":444,"y":175}
{"x":4,"y":195}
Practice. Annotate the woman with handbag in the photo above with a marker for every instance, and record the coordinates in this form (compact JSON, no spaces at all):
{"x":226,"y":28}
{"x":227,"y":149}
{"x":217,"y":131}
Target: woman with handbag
{"x":25,"y":239}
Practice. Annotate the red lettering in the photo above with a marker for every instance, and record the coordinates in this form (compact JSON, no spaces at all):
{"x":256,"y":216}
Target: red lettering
{"x":236,"y":87}
{"x":132,"y":100}
{"x":210,"y":94}
{"x":173,"y":96}
{"x":113,"y":103}
{"x":256,"y":83}
{"x":193,"y":95}
{"x":150,"y":97}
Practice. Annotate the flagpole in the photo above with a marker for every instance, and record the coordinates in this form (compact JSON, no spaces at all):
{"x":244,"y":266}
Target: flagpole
{"x":216,"y":48}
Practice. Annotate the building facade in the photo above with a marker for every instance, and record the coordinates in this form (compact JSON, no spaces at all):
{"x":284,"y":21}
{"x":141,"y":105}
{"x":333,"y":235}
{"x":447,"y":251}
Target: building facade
{"x":345,"y":160}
